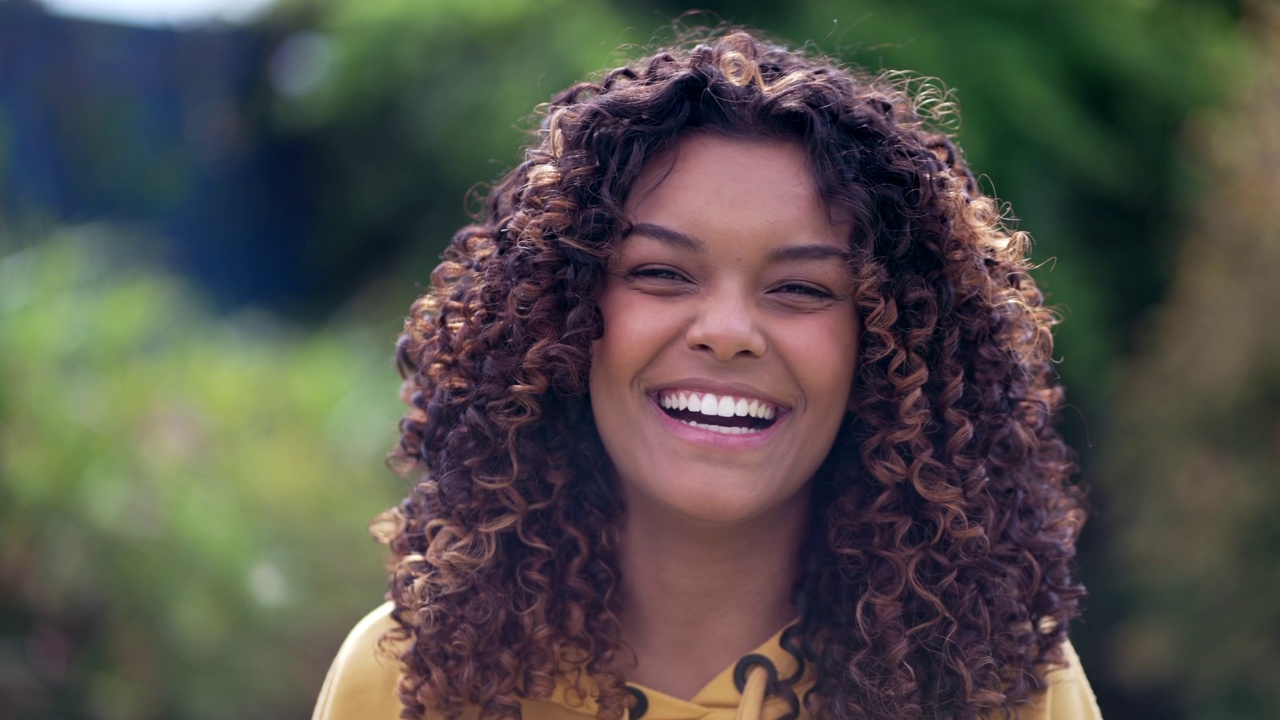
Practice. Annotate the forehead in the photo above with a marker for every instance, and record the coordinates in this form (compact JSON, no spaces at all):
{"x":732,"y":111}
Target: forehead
{"x":711,"y":186}
{"x":717,"y":167}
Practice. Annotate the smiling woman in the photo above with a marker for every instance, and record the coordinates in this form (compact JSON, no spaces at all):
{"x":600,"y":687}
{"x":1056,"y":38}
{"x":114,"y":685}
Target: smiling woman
{"x":730,"y":288}
{"x":735,"y":402}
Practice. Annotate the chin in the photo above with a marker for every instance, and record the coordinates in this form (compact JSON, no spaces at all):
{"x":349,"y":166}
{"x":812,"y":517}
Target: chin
{"x":721,"y":501}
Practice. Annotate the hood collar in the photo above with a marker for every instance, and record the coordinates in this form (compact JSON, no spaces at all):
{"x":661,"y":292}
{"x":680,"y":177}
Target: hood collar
{"x":720,"y":699}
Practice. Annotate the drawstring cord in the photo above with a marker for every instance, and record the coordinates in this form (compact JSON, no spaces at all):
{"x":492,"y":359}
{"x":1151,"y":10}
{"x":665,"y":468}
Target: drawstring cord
{"x":752,"y":676}
{"x":751,"y":707}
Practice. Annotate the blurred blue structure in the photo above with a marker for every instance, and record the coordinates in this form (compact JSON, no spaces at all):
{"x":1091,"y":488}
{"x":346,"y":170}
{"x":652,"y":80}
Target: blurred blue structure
{"x":157,"y":127}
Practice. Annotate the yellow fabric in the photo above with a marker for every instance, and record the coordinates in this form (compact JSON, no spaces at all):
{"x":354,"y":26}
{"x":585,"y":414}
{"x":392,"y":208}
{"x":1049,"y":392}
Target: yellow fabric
{"x":361,"y":685}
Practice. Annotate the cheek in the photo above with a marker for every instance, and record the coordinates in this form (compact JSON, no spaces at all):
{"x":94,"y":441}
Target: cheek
{"x":601,"y":369}
{"x":607,"y":351}
{"x":827,"y":374}
{"x":637,"y":329}
{"x":602,"y":348}
{"x":620,"y":353}
{"x":828,"y":355}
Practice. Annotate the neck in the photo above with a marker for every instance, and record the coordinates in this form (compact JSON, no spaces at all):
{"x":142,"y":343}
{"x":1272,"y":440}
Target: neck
{"x":697,"y":597}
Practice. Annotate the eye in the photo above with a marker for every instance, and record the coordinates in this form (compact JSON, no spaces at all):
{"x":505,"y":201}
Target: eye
{"x":656,"y":273}
{"x":659,"y":280}
{"x":805,"y":291}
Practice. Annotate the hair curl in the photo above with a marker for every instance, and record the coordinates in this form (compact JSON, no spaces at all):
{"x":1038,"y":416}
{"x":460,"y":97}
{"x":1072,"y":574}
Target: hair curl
{"x":938,"y":558}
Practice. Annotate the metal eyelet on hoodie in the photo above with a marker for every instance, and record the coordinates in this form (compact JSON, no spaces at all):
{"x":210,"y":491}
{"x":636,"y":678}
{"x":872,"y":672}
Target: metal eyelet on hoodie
{"x":753,"y":675}
{"x":744,"y":664}
{"x":641,"y":705}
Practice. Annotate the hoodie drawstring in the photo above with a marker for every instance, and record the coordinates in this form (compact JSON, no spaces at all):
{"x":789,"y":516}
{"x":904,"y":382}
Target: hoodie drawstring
{"x":752,"y":675}
{"x":751,"y":706}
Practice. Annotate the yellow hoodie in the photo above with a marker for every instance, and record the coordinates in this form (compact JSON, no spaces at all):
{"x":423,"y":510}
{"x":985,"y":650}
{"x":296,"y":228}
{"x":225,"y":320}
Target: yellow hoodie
{"x":361,"y":685}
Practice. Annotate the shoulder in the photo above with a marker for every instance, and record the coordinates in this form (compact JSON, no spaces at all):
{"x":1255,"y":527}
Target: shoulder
{"x":1067,"y":695}
{"x":362,"y":679}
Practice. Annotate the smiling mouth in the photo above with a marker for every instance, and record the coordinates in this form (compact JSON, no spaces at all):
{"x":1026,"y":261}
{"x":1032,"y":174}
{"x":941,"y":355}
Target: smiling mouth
{"x":725,"y":414}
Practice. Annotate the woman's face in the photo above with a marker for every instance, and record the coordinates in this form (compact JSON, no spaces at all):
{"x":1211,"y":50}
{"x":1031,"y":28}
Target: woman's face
{"x":730,"y":335}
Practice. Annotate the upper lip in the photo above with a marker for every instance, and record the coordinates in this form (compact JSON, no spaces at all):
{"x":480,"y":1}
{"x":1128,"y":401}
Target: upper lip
{"x":735,"y":389}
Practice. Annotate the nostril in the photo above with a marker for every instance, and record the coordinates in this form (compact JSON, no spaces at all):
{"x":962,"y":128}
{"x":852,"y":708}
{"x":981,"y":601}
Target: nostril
{"x":727,"y":334}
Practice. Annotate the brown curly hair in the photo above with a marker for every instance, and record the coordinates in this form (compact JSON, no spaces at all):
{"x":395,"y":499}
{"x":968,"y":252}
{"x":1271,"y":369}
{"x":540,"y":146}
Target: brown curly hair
{"x":936,"y":576}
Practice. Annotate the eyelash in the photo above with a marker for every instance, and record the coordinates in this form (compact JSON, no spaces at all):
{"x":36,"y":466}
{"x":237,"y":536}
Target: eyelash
{"x":809,"y":290}
{"x":655,"y":273}
{"x":669,"y":275}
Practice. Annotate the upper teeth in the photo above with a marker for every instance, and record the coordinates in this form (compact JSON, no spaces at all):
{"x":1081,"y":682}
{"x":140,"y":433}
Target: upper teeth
{"x":717,"y":405}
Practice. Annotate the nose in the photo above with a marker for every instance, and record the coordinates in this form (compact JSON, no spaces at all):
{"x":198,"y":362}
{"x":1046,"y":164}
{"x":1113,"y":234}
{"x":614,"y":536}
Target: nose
{"x":726,"y":325}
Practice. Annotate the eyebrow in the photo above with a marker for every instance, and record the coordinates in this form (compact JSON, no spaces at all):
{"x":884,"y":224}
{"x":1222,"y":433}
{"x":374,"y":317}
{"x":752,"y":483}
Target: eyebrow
{"x":680,"y":241}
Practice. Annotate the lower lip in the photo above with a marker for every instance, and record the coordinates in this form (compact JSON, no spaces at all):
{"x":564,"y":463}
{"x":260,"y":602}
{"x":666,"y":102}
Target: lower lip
{"x":718,"y":440}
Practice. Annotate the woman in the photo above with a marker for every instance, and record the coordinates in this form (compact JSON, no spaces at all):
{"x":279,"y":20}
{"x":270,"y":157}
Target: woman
{"x":736,"y":401}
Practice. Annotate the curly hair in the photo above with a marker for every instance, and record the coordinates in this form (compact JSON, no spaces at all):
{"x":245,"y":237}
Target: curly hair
{"x":937,"y":568}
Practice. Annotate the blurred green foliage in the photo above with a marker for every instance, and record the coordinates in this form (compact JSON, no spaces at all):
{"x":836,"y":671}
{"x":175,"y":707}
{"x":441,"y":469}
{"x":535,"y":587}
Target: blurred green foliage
{"x":417,"y":102}
{"x":182,"y":497}
{"x":1195,"y":564}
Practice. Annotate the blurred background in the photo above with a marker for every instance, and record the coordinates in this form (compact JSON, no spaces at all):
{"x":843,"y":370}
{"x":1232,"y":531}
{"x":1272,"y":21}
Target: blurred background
{"x":214,"y":214}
